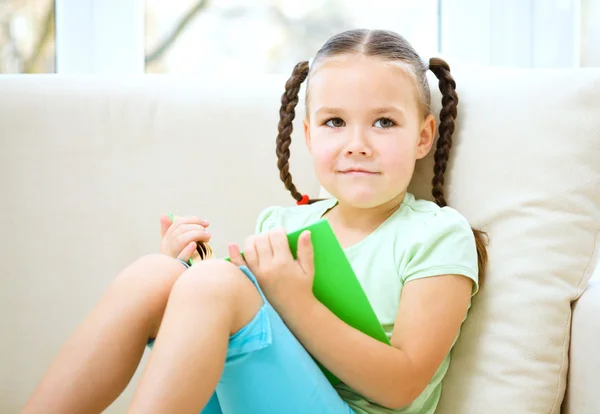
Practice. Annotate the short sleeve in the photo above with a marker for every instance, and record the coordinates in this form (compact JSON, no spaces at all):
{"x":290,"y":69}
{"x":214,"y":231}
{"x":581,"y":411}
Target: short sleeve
{"x":267,"y":219}
{"x":445,"y":245}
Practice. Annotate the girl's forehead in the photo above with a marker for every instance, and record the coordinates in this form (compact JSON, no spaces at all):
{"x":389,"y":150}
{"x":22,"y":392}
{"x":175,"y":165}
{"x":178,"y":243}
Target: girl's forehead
{"x":352,"y":78}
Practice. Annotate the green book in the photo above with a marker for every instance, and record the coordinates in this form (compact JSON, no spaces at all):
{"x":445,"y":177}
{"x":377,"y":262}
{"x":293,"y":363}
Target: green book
{"x":336,"y":285}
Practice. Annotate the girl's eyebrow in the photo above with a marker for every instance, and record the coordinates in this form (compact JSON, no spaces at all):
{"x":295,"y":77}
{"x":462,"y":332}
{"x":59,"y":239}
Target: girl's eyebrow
{"x":399,"y":112}
{"x":328,"y":110}
{"x":376,"y":111}
{"x":387,"y":110}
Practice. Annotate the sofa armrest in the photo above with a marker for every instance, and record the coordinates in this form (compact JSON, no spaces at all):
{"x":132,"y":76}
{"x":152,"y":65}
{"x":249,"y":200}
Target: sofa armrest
{"x":584,"y":377}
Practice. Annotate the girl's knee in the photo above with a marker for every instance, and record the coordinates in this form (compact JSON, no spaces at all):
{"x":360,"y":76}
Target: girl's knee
{"x":153,"y":266}
{"x":223,"y":282}
{"x":216,"y":277}
{"x":146,"y":284}
{"x":156,"y":260}
{"x":151,"y":277}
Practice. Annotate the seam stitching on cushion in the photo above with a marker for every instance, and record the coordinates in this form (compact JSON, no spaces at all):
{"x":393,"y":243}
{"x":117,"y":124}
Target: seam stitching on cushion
{"x":580,"y":290}
{"x":562,"y":365}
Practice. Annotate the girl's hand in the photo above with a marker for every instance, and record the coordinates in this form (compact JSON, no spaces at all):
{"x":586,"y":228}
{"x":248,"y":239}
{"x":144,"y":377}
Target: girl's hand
{"x":280,"y":276}
{"x":179,"y":237}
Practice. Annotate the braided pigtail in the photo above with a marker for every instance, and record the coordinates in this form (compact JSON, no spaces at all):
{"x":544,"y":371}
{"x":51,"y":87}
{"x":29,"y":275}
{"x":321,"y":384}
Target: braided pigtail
{"x":446,"y":127}
{"x":287,"y":113}
{"x":448,"y":115}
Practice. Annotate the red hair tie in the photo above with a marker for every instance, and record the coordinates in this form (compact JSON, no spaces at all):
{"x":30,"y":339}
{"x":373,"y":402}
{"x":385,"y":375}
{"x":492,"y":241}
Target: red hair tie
{"x":303,"y":200}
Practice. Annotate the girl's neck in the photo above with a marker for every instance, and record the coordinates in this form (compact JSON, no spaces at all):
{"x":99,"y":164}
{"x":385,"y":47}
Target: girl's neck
{"x":361,"y":219}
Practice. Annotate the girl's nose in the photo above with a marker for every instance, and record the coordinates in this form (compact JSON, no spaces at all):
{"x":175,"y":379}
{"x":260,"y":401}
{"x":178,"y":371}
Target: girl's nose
{"x":358,"y":144}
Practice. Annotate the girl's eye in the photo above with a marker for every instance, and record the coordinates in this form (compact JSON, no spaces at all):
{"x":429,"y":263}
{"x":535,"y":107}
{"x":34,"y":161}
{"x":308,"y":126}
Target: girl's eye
{"x":384,"y":123}
{"x":335,"y":123}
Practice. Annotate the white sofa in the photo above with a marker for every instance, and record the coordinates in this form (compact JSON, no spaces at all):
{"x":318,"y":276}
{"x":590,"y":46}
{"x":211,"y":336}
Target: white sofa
{"x":88,"y":164}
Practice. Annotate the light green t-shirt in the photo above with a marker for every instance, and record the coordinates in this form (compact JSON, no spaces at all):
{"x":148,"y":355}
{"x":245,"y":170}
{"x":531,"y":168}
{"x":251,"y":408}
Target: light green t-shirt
{"x":418,"y":240}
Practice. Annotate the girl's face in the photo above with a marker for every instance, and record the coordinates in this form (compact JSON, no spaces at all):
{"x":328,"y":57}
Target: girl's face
{"x":364,"y":129}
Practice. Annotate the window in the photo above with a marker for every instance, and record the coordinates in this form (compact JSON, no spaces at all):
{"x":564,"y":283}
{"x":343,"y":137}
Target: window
{"x":590,"y":33}
{"x":269,"y":36}
{"x":231,"y":37}
{"x":27,"y":39}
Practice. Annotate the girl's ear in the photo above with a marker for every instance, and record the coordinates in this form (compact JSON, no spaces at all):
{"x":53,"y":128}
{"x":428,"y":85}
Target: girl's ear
{"x":426,"y":136}
{"x":307,"y":133}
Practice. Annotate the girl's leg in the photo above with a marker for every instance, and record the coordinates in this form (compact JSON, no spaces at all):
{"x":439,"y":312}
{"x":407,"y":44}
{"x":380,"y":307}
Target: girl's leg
{"x":209,"y":303}
{"x":219,"y":329}
{"x":99,"y":359}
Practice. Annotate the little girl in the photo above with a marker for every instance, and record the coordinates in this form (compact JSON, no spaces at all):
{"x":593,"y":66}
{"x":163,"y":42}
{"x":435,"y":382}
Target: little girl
{"x":240,"y":337}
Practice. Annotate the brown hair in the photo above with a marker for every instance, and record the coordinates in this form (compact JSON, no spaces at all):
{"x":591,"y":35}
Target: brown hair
{"x":388,"y":46}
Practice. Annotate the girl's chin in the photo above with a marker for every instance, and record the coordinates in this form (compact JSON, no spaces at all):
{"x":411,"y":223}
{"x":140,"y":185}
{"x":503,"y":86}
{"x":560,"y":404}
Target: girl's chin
{"x":360,"y":200}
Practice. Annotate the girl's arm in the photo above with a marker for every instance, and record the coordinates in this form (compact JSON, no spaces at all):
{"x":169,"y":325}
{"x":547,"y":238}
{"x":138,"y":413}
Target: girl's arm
{"x":429,"y":318}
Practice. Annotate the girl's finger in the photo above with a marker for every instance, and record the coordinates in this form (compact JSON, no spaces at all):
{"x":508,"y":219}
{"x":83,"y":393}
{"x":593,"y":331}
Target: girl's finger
{"x":235,"y":255}
{"x":187,"y":232}
{"x":280,"y":245}
{"x":165,"y":223}
{"x":187,"y":252}
{"x":250,"y":253}
{"x":183,"y":227}
{"x":193,"y":235}
{"x":192,"y":220}
{"x":263,"y":247}
{"x":306,"y":255}
{"x":180,"y":223}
